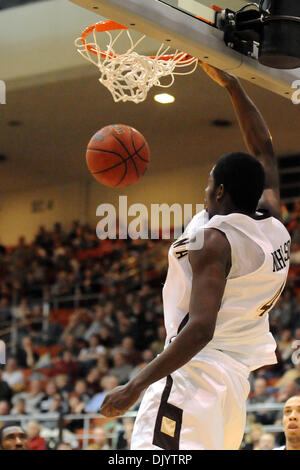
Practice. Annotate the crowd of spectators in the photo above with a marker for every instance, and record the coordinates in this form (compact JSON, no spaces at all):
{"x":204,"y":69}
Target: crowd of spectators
{"x":105,"y":324}
{"x":80,"y":316}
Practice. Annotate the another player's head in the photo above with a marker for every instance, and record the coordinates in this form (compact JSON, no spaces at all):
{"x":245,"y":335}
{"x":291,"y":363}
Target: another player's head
{"x":235,"y":184}
{"x":291,"y":423}
{"x":13,"y":437}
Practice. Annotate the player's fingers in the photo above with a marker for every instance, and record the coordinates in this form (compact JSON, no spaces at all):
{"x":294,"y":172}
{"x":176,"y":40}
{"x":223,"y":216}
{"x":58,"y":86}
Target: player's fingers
{"x":105,"y":412}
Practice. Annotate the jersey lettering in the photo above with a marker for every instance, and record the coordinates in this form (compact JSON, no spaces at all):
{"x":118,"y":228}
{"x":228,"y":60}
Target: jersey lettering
{"x":180,"y":244}
{"x":270,"y":304}
{"x":281,"y":256}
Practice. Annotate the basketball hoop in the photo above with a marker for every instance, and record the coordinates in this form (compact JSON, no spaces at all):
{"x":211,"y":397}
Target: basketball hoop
{"x":130,"y":75}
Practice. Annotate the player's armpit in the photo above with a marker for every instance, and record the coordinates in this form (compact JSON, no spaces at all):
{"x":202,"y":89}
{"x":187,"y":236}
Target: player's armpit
{"x":270,"y":201}
{"x":210,"y":267}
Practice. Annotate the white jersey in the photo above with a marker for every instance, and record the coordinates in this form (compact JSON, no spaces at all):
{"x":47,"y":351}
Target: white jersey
{"x":260,"y":252}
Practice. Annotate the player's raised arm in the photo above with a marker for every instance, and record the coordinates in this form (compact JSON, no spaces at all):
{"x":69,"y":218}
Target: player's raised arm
{"x":256,"y":135}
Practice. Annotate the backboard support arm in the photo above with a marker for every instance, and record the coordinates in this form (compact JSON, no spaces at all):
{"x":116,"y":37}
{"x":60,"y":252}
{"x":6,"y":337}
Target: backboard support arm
{"x":192,"y":35}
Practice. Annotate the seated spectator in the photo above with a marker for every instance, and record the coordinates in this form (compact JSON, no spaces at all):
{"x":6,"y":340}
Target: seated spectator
{"x":92,"y":381}
{"x":97,"y":323}
{"x":107,"y":383}
{"x":62,"y":286}
{"x":266,"y":442}
{"x":63,"y":386}
{"x":261,"y":395}
{"x":4,"y":410}
{"x":103,"y":366}
{"x":35,"y":441}
{"x":13,"y":437}
{"x":57,"y":405}
{"x":121,"y":368}
{"x":158,"y":345}
{"x":80,"y":390}
{"x":75,"y":330}
{"x":106,"y":338}
{"x":70,"y":344}
{"x":5,"y":309}
{"x":34,"y":324}
{"x":89,"y":286}
{"x":26,"y":356}
{"x":13,"y":376}
{"x":19,"y":408}
{"x":32,"y":398}
{"x":76,"y":406}
{"x":288,"y":376}
{"x":147,"y":357}
{"x":128,"y":349}
{"x":100,"y":441}
{"x":64,"y":446}
{"x":66,"y":366}
{"x":33,"y":287}
{"x":286,"y":391}
{"x":93,"y":351}
{"x":284,"y":344}
{"x":50,"y":392}
{"x":124,"y":437}
{"x":5,"y":390}
{"x":253,"y":437}
{"x":150,"y":327}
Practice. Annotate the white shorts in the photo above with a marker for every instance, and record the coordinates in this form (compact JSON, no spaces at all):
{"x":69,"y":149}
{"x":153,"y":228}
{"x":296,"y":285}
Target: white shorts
{"x":201,"y":406}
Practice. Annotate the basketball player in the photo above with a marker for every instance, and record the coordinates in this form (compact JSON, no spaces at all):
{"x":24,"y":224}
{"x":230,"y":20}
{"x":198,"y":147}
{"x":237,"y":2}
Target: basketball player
{"x":13,"y":438}
{"x":291,"y":424}
{"x":216,"y":302}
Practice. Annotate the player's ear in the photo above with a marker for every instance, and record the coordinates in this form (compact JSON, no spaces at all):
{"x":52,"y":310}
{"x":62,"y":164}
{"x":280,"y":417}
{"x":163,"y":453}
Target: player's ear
{"x":220,"y":192}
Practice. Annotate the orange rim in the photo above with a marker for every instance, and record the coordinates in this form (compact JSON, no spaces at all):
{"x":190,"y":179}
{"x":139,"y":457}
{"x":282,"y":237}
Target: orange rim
{"x":109,"y":25}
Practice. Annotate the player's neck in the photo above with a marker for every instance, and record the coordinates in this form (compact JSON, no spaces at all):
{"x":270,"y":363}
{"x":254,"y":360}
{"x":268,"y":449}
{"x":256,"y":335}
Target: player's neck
{"x":230,"y":209}
{"x":293,"y":444}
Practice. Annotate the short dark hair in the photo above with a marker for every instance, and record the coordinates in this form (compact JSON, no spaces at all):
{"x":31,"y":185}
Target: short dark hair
{"x":243,"y":178}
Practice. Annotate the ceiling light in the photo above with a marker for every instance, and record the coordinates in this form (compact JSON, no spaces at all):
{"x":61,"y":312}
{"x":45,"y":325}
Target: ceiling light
{"x":164,"y":98}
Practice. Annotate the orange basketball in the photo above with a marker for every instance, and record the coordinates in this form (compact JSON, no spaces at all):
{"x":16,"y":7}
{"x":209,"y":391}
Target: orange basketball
{"x":117,"y":155}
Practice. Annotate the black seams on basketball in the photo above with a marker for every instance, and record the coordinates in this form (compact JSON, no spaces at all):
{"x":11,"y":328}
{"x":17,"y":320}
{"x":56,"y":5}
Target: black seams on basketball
{"x":117,"y":155}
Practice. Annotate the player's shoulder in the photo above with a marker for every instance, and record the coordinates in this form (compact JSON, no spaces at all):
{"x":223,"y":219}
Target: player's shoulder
{"x":197,"y":223}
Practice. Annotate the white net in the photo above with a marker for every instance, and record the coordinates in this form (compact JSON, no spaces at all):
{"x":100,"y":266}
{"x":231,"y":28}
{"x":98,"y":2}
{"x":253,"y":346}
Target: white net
{"x":130,"y":76}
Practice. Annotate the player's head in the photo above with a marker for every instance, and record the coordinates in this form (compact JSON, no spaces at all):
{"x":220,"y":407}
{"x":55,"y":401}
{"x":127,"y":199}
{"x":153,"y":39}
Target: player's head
{"x":235,"y":184}
{"x":13,"y":437}
{"x":291,"y":421}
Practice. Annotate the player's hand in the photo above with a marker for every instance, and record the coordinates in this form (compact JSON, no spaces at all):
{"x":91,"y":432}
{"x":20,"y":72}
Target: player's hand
{"x":223,"y":79}
{"x":118,"y":401}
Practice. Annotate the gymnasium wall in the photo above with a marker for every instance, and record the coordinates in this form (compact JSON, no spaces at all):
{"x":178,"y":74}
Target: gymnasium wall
{"x":21,"y":213}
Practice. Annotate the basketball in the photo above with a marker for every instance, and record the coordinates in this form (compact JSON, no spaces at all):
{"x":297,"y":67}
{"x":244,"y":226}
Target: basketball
{"x":117,"y":155}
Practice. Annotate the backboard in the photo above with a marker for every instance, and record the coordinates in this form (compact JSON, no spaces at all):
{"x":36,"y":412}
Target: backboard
{"x":188,"y":25}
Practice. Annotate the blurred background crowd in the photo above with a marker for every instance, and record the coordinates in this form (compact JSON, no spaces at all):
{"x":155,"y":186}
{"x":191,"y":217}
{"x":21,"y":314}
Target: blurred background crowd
{"x":80,"y":316}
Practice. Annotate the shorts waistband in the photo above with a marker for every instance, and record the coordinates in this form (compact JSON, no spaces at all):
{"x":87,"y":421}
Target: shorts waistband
{"x":224,"y":359}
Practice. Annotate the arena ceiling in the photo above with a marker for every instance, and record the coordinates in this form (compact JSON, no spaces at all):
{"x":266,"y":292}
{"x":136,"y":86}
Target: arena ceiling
{"x":53,"y":109}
